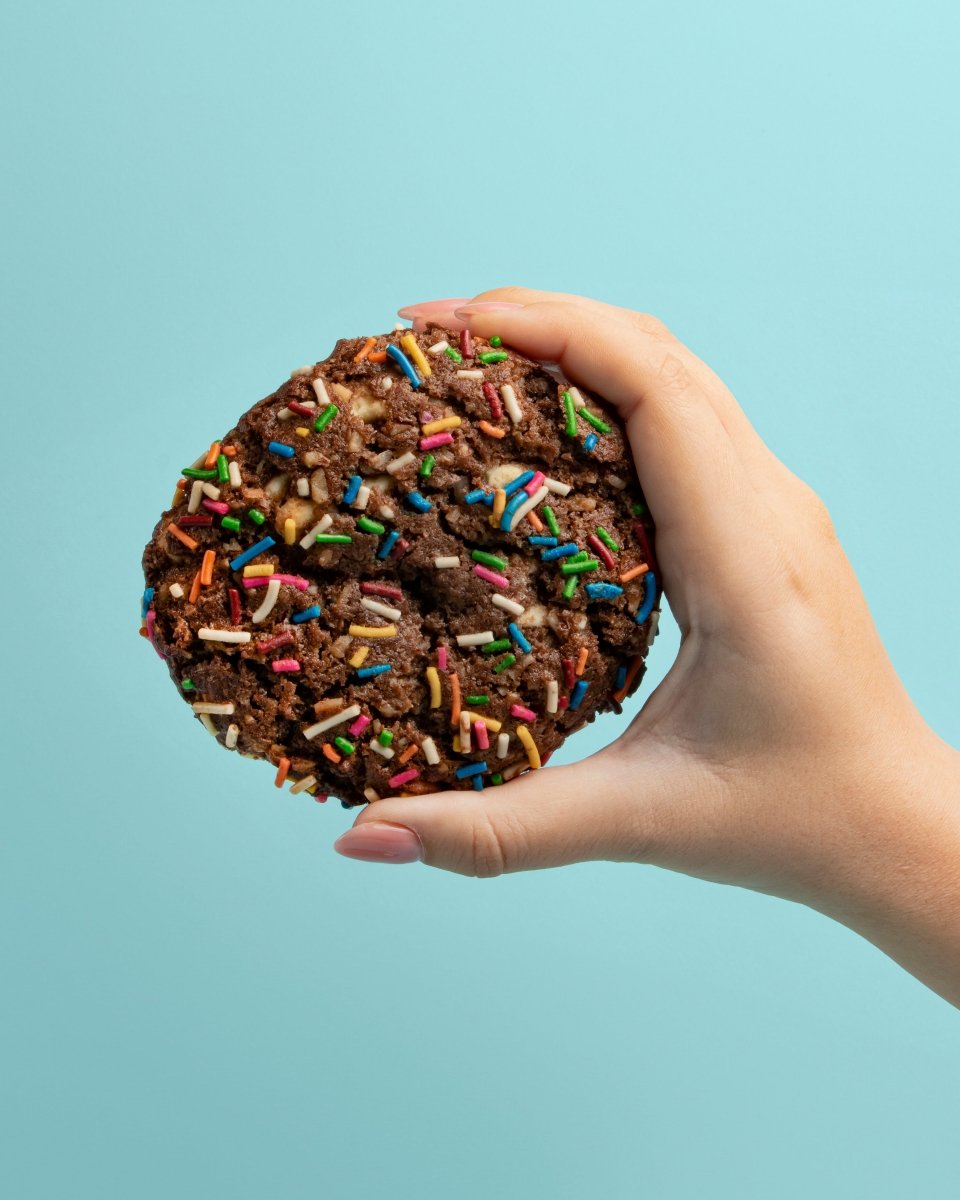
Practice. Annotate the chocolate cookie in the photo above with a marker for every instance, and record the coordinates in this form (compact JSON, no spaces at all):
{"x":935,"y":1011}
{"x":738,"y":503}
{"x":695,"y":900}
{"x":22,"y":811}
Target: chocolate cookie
{"x":418,"y":565}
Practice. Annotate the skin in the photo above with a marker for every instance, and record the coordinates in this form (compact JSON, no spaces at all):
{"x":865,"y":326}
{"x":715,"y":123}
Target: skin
{"x":781,"y":752}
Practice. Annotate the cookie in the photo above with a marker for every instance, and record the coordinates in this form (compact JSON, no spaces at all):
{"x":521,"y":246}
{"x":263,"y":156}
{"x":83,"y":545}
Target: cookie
{"x":418,"y":565}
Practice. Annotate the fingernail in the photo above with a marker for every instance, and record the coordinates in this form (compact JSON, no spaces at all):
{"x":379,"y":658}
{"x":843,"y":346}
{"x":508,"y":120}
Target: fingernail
{"x":428,"y":306}
{"x":485,"y":306}
{"x":379,"y":841}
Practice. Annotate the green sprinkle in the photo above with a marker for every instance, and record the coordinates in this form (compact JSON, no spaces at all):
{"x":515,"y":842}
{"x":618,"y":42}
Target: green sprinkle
{"x":638,"y":509}
{"x":489,"y":560}
{"x":325,"y":418}
{"x":256,"y":516}
{"x":367,"y":525}
{"x":386,"y":737}
{"x":496,"y":647}
{"x":507,"y":661}
{"x":454,"y":354}
{"x":482,"y":698}
{"x":592,"y":419}
{"x":607,"y":539}
{"x":551,"y":519}
{"x":577,"y":568}
{"x":570,"y":587}
{"x":341,"y":743}
{"x":223,"y":469}
{"x":581,"y":556}
{"x":426,"y":467}
{"x":231,"y":523}
{"x":493,"y":356}
{"x":188,"y":685}
{"x":496,"y":340}
{"x":194,"y":473}
{"x":496,"y":778}
{"x":570,"y":429}
{"x":334,"y":539}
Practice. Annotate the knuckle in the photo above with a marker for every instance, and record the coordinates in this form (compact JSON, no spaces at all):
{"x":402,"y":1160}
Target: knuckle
{"x":652,"y":326}
{"x":817,"y":512}
{"x":488,"y":852}
{"x":672,"y":375}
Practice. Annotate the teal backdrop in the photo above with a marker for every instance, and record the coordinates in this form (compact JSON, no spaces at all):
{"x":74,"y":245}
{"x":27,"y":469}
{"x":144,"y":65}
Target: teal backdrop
{"x":199,"y":999}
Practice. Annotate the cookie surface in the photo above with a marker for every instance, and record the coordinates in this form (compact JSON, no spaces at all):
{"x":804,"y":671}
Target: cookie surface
{"x":418,"y":565}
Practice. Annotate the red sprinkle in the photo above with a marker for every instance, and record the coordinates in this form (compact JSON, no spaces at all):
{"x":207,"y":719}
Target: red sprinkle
{"x":401,"y":548}
{"x":235,"y":613}
{"x":301,"y":409}
{"x":603,"y":552}
{"x":199,"y":519}
{"x":569,"y":672}
{"x":640,"y":533}
{"x":321,"y":797}
{"x":563,"y":702}
{"x":381,"y":589}
{"x":496,"y":409}
{"x":274,"y":643}
{"x":466,"y":343}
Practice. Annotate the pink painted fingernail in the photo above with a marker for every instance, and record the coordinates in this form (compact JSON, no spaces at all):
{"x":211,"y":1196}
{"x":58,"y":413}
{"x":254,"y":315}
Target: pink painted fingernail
{"x":379,"y":841}
{"x":471,"y":309}
{"x":428,"y":306}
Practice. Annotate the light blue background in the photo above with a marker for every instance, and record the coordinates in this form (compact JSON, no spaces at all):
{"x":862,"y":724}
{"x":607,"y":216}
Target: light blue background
{"x":199,"y":999}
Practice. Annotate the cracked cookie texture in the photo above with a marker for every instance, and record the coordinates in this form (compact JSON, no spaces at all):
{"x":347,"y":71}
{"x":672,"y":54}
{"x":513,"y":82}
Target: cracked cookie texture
{"x":419,"y":565}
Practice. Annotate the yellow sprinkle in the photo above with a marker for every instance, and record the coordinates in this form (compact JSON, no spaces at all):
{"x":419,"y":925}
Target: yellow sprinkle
{"x":303,"y":431}
{"x":257,"y":572}
{"x":356,"y":659}
{"x":440,"y":425}
{"x":491,"y":723}
{"x":456,"y":743}
{"x":373,"y":631}
{"x":533,"y":754}
{"x":289,"y":531}
{"x":433,"y":679}
{"x":409,"y":343}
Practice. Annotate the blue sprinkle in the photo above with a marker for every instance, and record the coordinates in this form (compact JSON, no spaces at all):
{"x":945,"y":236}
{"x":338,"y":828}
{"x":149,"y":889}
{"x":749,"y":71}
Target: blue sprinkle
{"x":579,"y":691}
{"x":471,"y":769}
{"x":282,"y":449}
{"x":520,"y":480}
{"x":420,"y":503}
{"x":242,"y":559}
{"x":603,"y":591}
{"x":405,"y":364}
{"x":478,"y":783}
{"x":649,"y":596}
{"x":538,"y":539}
{"x":590,"y":442}
{"x":369,"y":672}
{"x":145,"y":603}
{"x":514,"y":630}
{"x":477,"y":496}
{"x":352,"y":488}
{"x":307,"y":614}
{"x":512,"y":505}
{"x":621,"y":678}
{"x":559,"y":552}
{"x":388,"y":543}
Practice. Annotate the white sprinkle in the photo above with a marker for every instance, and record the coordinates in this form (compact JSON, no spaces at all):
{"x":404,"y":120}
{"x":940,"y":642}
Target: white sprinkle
{"x":578,"y":400}
{"x":381,"y":749}
{"x":345,"y":714}
{"x":321,"y":392}
{"x":443,"y":562}
{"x":196,"y":495}
{"x":382,"y":459}
{"x":269,"y":600}
{"x":371,"y":794}
{"x":397,"y":464}
{"x":616,"y":482}
{"x":235,"y":636}
{"x":303,"y":486}
{"x":510,"y":606}
{"x":437,"y":347}
{"x":200,"y":461}
{"x":553,"y":696}
{"x":208,"y":724}
{"x":284,"y":414}
{"x":215,"y":709}
{"x":538,"y":497}
{"x":176,"y":591}
{"x":476,"y":639}
{"x":309,"y":539}
{"x":429,"y":748}
{"x":514,"y":411}
{"x":386,"y":383}
{"x":230,"y":741}
{"x":210,"y":490}
{"x":469,"y":374}
{"x":386,"y":512}
{"x":503,"y":744}
{"x":400,"y":325}
{"x":382,"y":610}
{"x":301,"y":371}
{"x":302,"y":784}
{"x":464,"y":732}
{"x":362,"y":498}
{"x":236,"y":479}
{"x":554,"y":485}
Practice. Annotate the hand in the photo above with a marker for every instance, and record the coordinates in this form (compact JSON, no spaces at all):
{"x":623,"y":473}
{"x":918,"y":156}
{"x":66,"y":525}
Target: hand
{"x":781,"y":751}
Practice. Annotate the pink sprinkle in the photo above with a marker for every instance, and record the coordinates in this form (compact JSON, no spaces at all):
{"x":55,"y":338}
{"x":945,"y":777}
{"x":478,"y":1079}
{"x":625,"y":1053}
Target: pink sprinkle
{"x":491,"y":576}
{"x":442,"y":657}
{"x":292,"y":580}
{"x":217,"y":506}
{"x":381,"y":589}
{"x":436,"y":439}
{"x":401,"y":548}
{"x":285,"y":664}
{"x":602,"y":551}
{"x":151,"y":621}
{"x":425,"y":417}
{"x":274,"y":643}
{"x":321,"y":797}
{"x":404,"y":777}
{"x":466,"y":343}
{"x":496,"y":410}
{"x":359,"y":724}
{"x":521,"y":713}
{"x":480,"y":733}
{"x":535,"y":483}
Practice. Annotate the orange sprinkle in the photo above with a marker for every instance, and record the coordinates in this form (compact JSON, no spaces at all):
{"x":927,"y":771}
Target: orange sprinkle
{"x":206,"y":567}
{"x":582,"y":659}
{"x":229,"y":451}
{"x":211,"y":459}
{"x":194,"y":595}
{"x":143,"y":631}
{"x":181,"y":536}
{"x":365,"y":349}
{"x":410,"y":751}
{"x":377,"y":356}
{"x":535,"y":521}
{"x":454,"y":698}
{"x":634,"y":572}
{"x":635,"y":664}
{"x":491,"y":430}
{"x":330,"y":753}
{"x":283,"y":767}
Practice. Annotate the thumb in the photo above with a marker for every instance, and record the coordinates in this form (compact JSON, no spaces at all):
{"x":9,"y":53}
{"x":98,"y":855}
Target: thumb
{"x":547,"y":818}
